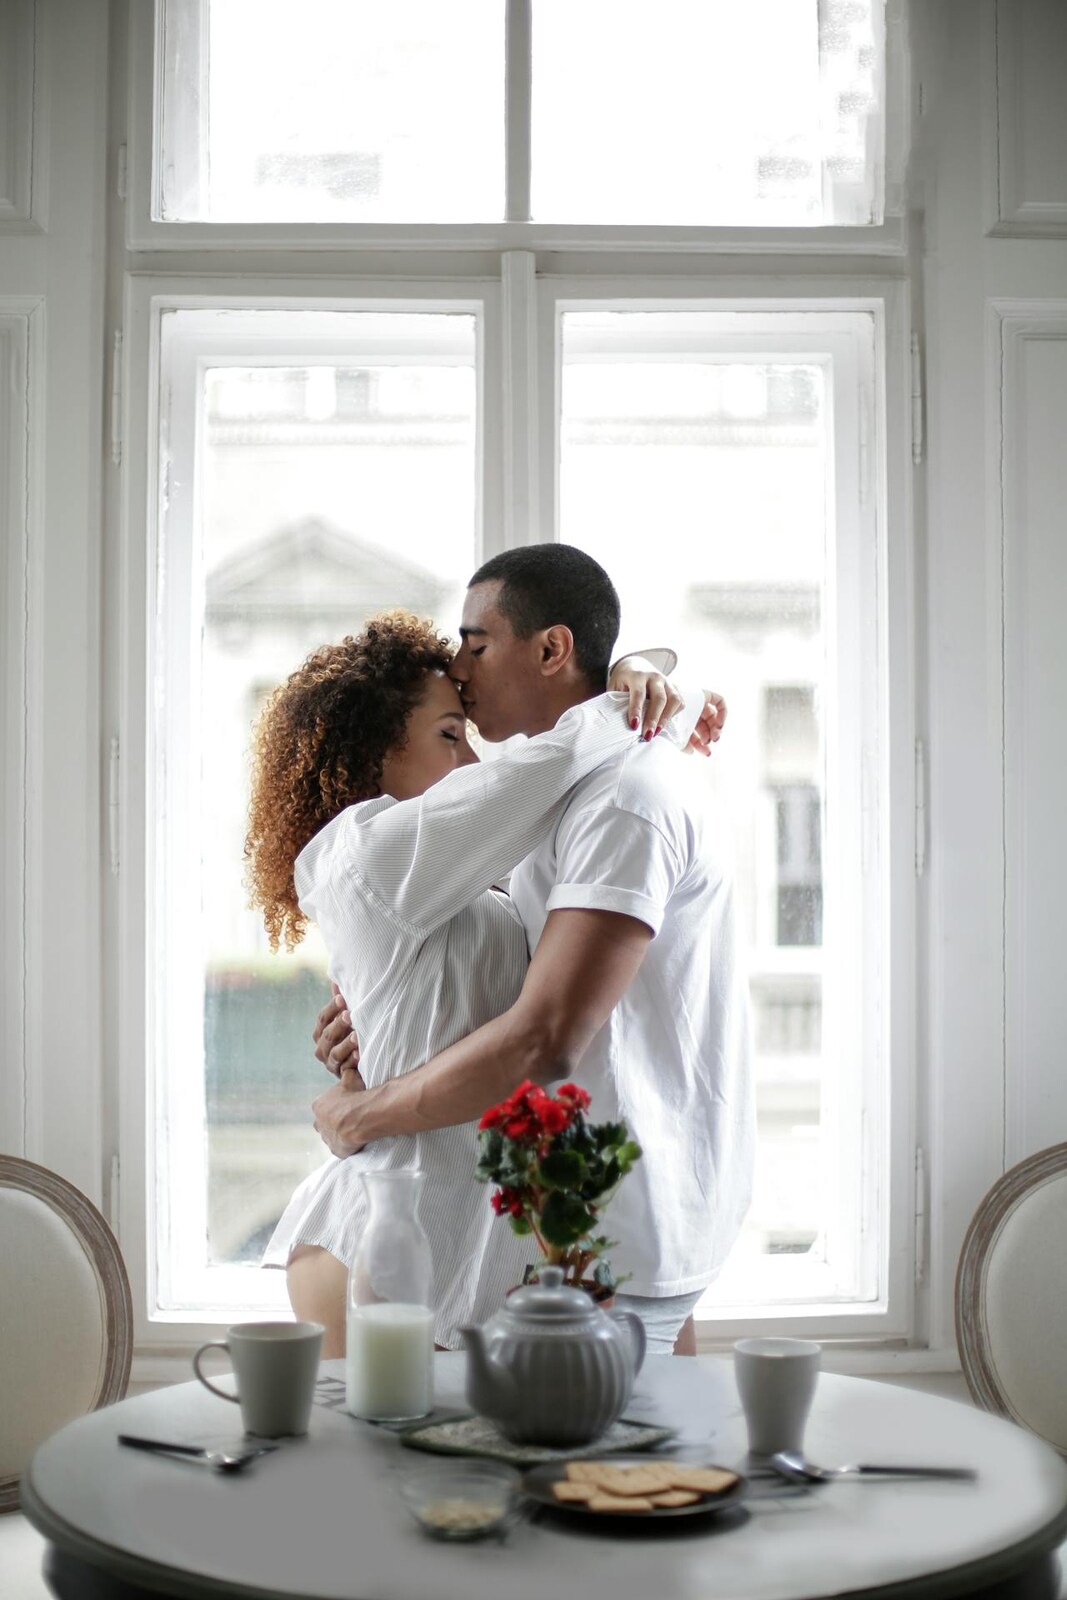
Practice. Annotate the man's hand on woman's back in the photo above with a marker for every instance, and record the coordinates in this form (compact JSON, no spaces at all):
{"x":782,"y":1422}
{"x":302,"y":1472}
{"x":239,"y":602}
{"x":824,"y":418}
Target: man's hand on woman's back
{"x":708,"y":730}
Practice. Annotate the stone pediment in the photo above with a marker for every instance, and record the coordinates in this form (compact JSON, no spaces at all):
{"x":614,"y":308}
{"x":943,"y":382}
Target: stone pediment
{"x":316,"y":570}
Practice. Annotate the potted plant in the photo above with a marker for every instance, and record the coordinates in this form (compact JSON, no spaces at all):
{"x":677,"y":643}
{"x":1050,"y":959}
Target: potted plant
{"x":555,"y":1172}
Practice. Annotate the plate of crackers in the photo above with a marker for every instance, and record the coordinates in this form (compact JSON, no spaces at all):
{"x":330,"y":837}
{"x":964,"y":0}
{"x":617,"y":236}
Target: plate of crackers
{"x":645,"y":1490}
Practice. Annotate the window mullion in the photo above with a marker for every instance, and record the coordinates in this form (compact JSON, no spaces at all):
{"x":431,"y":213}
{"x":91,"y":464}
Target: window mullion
{"x":519,"y":404}
{"x":518,"y":77}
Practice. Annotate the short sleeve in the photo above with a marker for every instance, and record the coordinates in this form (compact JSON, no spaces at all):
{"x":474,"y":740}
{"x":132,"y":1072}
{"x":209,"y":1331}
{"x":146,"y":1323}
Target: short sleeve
{"x":662,"y":657}
{"x":613,"y":860}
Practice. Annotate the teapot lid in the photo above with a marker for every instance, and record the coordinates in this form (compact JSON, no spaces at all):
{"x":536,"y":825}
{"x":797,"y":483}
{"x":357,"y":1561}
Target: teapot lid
{"x":551,"y":1298}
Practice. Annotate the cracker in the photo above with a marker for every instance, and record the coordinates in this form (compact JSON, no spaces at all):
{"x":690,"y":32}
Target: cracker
{"x":617,"y":1502}
{"x":564,"y":1489}
{"x":706,"y":1480}
{"x":582,"y":1471}
{"x":676,"y":1497}
{"x":642,"y":1480}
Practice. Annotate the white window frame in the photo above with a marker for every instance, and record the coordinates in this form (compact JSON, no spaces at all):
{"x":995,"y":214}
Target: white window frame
{"x":530,"y":480}
{"x":141,"y":1008}
{"x":147,"y":72}
{"x":887,"y":777}
{"x":522,"y":272}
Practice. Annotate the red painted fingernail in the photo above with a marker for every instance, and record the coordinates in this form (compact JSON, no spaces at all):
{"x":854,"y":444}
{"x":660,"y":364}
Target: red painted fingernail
{"x":633,"y":722}
{"x":659,"y":729}
{"x":648,"y":735}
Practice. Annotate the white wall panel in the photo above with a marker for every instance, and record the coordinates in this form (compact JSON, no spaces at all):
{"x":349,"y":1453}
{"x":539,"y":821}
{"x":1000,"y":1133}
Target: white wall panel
{"x":51,"y":269}
{"x":1033,"y":516}
{"x":14,"y":560}
{"x":1027,"y":60}
{"x":19,"y":195}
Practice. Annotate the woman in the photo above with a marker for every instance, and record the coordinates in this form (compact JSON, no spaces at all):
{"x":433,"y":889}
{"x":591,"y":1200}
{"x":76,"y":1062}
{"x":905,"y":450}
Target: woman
{"x":348,"y":820}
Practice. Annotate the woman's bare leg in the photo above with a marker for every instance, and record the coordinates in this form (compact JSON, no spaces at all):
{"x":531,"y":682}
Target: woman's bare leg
{"x":686,"y":1342}
{"x":318,"y":1284}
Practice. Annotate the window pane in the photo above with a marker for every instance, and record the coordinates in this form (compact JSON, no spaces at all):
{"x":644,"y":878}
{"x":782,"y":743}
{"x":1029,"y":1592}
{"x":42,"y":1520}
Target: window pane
{"x":701,"y":479}
{"x":764,"y":113}
{"x":327,"y":488}
{"x":333,"y":111}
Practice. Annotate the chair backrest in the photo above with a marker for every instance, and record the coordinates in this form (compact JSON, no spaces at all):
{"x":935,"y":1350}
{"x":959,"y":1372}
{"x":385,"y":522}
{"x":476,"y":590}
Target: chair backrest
{"x":1011,"y":1297}
{"x":66,"y":1315}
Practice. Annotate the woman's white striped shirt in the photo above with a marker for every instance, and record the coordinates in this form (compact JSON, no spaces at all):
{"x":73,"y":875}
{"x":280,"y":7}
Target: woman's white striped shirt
{"x":425,"y":950}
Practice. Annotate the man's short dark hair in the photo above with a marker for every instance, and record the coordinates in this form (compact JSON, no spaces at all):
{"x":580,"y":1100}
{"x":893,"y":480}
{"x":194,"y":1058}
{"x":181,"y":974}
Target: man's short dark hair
{"x":542,"y":585}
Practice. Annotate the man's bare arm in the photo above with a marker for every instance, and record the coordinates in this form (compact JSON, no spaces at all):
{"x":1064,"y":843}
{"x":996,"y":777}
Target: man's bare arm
{"x":584,"y":963}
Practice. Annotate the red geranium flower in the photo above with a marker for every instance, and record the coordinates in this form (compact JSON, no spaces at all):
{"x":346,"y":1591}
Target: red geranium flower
{"x":557,"y":1201}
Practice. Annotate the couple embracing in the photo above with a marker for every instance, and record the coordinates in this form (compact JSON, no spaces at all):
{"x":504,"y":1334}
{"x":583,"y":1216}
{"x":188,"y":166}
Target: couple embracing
{"x":612,"y":957}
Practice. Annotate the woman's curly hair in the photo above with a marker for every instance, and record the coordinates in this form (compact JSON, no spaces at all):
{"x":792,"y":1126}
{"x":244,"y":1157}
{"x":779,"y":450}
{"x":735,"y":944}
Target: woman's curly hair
{"x":319,"y":745}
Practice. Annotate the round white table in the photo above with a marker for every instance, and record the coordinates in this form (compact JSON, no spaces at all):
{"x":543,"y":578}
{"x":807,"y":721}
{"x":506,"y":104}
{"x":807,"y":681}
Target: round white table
{"x":321,"y":1518}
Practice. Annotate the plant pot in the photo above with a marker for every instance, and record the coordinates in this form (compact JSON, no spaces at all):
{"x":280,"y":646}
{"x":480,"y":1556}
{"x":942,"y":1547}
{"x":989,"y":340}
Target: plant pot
{"x":600,"y":1296}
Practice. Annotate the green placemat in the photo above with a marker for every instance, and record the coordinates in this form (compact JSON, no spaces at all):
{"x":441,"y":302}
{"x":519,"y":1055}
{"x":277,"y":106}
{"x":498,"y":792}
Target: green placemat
{"x":477,"y":1436}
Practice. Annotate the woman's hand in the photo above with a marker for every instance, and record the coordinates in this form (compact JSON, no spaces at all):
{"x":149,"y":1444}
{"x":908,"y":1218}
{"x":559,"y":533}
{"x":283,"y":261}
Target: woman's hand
{"x":654,"y":699}
{"x":336,"y":1045}
{"x":708,"y":730}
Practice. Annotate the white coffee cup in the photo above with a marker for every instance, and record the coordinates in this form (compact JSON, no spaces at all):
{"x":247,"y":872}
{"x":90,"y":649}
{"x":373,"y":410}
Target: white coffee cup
{"x":275,"y":1364}
{"x":776,"y":1380}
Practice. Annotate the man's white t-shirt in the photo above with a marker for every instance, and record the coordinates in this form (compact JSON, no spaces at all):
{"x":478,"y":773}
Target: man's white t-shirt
{"x":645,"y":838}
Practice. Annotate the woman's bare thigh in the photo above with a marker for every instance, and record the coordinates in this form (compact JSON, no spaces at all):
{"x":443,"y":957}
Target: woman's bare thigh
{"x":317,"y":1284}
{"x":318,"y":1292}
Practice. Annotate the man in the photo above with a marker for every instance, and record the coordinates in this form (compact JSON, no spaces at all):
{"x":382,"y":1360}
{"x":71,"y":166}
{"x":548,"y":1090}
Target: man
{"x":634,"y":985}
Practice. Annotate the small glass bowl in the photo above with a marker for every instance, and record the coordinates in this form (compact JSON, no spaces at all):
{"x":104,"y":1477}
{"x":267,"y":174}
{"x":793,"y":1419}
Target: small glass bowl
{"x":460,"y":1500}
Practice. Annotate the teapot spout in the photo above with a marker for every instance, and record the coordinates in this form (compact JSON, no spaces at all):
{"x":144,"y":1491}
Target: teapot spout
{"x":491,"y":1389}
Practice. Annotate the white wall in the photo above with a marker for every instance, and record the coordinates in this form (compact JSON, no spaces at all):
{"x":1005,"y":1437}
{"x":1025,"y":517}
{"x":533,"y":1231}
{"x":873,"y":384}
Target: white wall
{"x":989,"y":257}
{"x":52,"y":219}
{"x":995,"y":295}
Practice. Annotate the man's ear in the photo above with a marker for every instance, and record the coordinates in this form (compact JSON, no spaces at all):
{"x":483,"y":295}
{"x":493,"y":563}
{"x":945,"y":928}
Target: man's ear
{"x":557,"y":649}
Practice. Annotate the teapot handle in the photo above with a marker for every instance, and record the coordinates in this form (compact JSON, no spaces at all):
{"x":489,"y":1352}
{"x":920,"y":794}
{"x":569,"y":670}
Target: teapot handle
{"x":638,"y":1338}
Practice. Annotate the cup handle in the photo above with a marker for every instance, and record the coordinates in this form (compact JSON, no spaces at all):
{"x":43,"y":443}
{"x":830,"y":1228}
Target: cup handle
{"x":213,"y":1344}
{"x":638,"y":1337}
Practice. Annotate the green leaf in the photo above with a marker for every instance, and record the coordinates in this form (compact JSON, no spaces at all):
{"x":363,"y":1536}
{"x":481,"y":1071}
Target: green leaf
{"x":603,"y":1275}
{"x":612,"y":1172}
{"x":490,"y":1150}
{"x":514,"y":1175}
{"x":610,"y":1134}
{"x":565,"y":1218}
{"x":562,"y":1169}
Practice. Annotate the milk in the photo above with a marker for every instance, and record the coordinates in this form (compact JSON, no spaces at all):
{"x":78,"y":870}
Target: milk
{"x":389,"y":1361}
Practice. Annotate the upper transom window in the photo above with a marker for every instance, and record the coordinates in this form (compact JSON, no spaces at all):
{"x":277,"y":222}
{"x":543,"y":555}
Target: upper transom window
{"x":607,"y":112}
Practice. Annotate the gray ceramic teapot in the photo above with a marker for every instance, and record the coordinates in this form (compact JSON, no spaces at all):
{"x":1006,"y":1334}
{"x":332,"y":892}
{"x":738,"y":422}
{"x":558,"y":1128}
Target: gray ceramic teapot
{"x":551,"y":1367}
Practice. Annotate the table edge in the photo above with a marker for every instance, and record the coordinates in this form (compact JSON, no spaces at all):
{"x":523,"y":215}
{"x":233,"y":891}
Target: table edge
{"x":114,"y":1562}
{"x":945,"y":1584}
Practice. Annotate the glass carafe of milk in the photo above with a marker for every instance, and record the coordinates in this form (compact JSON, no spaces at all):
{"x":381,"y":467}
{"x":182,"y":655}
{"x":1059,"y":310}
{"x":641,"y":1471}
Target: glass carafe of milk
{"x":389,"y":1337}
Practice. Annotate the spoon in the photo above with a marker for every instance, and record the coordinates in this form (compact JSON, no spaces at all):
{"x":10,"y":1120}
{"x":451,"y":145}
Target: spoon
{"x":792,"y":1465}
{"x":221,"y":1460}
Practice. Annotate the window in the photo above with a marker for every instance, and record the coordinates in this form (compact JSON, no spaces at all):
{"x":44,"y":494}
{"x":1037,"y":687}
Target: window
{"x":751,"y":115}
{"x":688,"y":112}
{"x":314,"y":437}
{"x":302,"y":496}
{"x":709,"y":460}
{"x":338,"y":112}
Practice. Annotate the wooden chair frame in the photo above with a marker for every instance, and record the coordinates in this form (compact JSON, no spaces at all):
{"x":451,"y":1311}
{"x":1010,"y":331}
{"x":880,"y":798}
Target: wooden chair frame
{"x":101,"y":1247}
{"x":972,"y":1331}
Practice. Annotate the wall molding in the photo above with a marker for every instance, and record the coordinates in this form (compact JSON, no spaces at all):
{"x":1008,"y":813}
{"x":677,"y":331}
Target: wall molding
{"x":21,"y":121}
{"x":1024,"y":455}
{"x":15,"y":501}
{"x":1013,"y":211}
